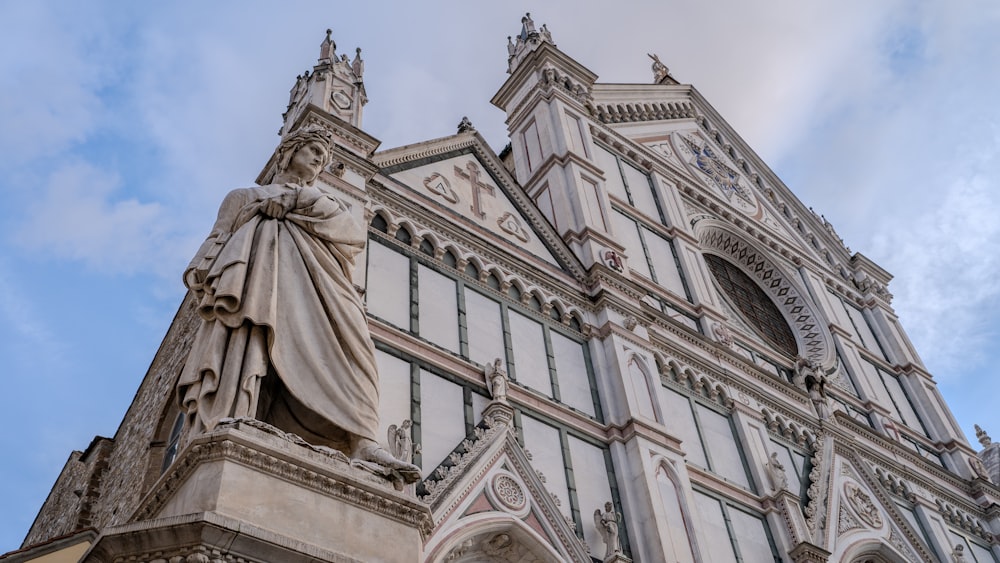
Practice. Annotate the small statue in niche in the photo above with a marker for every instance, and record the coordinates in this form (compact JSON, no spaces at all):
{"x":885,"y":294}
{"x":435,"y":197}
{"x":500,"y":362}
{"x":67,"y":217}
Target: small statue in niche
{"x":400,"y":442}
{"x":804,"y":368}
{"x":816,"y":388}
{"x":496,"y":380}
{"x":958,"y":555}
{"x":500,"y":545}
{"x":607,"y":524}
{"x":776,"y":473}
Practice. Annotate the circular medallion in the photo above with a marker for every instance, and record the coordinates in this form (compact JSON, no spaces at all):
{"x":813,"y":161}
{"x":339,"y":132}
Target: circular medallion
{"x":509,"y":492}
{"x":863,"y":505}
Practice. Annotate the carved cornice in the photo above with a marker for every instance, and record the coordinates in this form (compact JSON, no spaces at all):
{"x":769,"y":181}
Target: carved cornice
{"x":643,"y":111}
{"x":202,"y":538}
{"x":439,"y":483}
{"x":335,"y":478}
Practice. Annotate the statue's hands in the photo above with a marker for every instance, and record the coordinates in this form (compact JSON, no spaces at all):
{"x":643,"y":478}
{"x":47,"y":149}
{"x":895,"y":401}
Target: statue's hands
{"x":278,"y":206}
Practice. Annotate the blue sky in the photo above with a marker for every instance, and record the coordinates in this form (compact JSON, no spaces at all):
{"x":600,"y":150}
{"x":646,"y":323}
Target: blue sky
{"x":124,"y":124}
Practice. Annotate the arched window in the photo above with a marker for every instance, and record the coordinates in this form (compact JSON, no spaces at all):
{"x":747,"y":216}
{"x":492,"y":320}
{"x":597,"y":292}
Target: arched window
{"x":173,"y":442}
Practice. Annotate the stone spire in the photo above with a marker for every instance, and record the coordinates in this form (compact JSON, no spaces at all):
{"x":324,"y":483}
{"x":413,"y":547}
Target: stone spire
{"x":527,"y":41}
{"x":987,"y":462}
{"x":334,"y":85}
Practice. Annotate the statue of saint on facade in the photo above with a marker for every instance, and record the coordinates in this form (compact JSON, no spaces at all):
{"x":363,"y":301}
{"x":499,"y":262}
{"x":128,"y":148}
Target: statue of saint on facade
{"x":803,"y":368}
{"x":496,"y":380}
{"x":816,"y":388}
{"x":284,"y":337}
{"x":607,"y":524}
{"x":776,"y":473}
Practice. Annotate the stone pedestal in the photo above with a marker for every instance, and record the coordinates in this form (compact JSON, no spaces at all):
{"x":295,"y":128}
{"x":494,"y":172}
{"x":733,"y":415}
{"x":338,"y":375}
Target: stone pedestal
{"x":247,"y":490}
{"x":806,"y":552}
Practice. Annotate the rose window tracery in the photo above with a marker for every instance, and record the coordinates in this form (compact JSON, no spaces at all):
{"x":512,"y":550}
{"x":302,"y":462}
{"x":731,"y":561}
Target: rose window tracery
{"x":753,"y":303}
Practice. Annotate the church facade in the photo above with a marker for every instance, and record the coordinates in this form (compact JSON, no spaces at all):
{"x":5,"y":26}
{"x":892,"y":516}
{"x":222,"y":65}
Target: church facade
{"x":622,"y":338}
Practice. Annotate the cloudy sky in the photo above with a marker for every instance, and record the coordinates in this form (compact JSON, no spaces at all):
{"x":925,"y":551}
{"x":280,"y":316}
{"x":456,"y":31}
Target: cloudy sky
{"x":122,"y":125}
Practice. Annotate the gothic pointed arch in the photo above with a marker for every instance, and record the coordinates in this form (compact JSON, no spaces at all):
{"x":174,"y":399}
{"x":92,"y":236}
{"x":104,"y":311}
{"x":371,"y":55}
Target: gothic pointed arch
{"x":807,"y":334}
{"x":680,"y":524}
{"x":494,"y":536}
{"x":873,"y":551}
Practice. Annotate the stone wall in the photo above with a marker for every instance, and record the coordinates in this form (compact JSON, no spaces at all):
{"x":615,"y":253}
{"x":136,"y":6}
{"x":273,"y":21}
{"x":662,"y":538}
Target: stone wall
{"x":69,"y":506}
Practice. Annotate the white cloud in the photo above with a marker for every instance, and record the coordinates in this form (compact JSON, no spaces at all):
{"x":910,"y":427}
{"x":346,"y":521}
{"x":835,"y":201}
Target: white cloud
{"x":947,"y":272}
{"x":77,"y":216}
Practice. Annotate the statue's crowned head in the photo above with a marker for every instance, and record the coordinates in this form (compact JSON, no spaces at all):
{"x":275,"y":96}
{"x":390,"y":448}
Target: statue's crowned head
{"x":303,"y":138}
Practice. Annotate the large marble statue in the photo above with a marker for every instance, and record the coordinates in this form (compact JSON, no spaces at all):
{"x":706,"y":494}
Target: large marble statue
{"x":284,"y":337}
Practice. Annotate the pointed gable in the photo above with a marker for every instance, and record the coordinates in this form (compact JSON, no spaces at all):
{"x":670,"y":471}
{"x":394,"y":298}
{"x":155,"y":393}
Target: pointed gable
{"x":487,"y":500}
{"x":460,"y":174}
{"x":862,"y":515}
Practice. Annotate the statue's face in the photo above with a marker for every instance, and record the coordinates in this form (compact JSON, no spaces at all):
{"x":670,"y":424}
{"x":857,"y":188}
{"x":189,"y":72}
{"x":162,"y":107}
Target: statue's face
{"x":308,"y":161}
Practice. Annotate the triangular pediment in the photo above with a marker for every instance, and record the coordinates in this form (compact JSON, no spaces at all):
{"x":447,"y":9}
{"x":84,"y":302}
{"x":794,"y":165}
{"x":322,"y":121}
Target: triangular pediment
{"x":461,"y":177}
{"x":862,"y":514}
{"x":673,"y":125}
{"x":488,"y":502}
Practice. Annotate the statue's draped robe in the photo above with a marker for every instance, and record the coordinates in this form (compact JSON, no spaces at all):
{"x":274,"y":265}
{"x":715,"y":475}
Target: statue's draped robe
{"x":276,"y":298}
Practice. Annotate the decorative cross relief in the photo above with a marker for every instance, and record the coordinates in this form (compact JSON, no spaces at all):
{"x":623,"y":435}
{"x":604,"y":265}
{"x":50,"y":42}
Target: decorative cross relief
{"x":471,"y":173}
{"x":469,"y":180}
